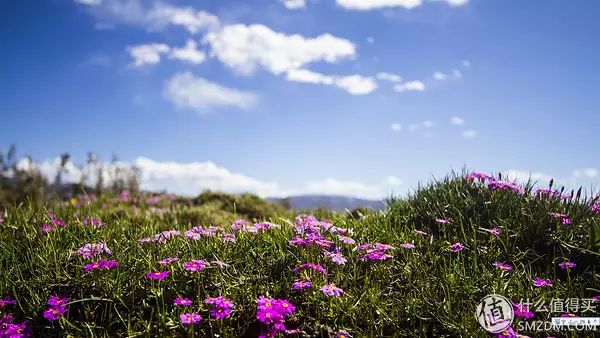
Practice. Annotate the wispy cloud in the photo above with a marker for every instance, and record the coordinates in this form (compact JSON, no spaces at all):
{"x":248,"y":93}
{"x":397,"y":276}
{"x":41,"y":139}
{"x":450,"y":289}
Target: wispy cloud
{"x":410,"y":86}
{"x":187,"y":91}
{"x":469,"y":134}
{"x":353,"y":84}
{"x":457,"y":121}
{"x":294,"y":4}
{"x":244,"y":48}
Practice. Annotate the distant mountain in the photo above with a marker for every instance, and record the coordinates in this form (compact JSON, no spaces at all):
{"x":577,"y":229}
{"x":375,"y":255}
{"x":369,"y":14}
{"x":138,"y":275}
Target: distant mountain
{"x":338,"y":203}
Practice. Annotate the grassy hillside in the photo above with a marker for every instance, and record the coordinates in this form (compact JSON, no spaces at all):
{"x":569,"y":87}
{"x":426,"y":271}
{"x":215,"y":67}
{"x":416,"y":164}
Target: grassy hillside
{"x":452,"y":243}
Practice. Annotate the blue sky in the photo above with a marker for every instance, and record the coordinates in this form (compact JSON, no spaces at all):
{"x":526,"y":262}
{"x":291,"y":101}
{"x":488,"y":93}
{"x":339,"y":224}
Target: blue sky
{"x":253,"y":95}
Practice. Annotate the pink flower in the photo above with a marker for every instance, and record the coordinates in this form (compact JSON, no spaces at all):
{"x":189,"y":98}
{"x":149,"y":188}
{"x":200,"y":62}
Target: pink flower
{"x":442,"y":220}
{"x":407,"y":246}
{"x":101,"y":264}
{"x":456,"y":247}
{"x":55,"y":313}
{"x":567,"y":265}
{"x":157,"y":275}
{"x":302,"y":284}
{"x":56,"y":301}
{"x":196,"y":265}
{"x":45,"y":228}
{"x":522,"y":311}
{"x":190,"y":318}
{"x":342,"y":334}
{"x":182,"y":302}
{"x":346,"y":239}
{"x":540,"y":283}
{"x":503,"y":266}
{"x":168,"y":260}
{"x":91,"y":250}
{"x":330,"y":290}
{"x":222,"y":307}
{"x":316,"y":267}
{"x":7,"y":301}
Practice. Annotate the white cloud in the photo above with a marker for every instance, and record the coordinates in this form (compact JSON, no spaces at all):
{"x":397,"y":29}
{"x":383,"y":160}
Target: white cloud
{"x":524,"y":176}
{"x":294,"y":4}
{"x":396,"y":127}
{"x":586,"y":172}
{"x":590,"y":172}
{"x":393,"y":180}
{"x":469,"y":134}
{"x":89,"y":2}
{"x":365,"y":5}
{"x":439,"y":76}
{"x":245,"y":48}
{"x":457,"y":121}
{"x":410,"y":86}
{"x":454,"y":3}
{"x":388,"y":77}
{"x":353,"y":84}
{"x":308,"y":76}
{"x":147,"y":54}
{"x":188,"y":53}
{"x":356,"y":84}
{"x":155,"y":18}
{"x":189,"y":92}
{"x":191,"y":178}
{"x":194,"y":177}
{"x":466,"y":63}
{"x":370,"y":39}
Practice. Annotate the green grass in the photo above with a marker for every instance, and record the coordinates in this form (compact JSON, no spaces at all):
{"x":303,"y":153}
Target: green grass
{"x":428,"y":291}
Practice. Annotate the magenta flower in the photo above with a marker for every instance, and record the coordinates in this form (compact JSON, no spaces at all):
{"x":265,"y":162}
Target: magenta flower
{"x":91,"y":250}
{"x":93,"y":222}
{"x":567,"y":265}
{"x":182,"y":301}
{"x":273,"y":312}
{"x":478,"y":176}
{"x":407,"y":246}
{"x":564,"y":219}
{"x":346,"y":240}
{"x":375,"y":255}
{"x":596,"y":299}
{"x":456,"y":247}
{"x":316,"y":267}
{"x":7,"y":300}
{"x":45,"y":228}
{"x":342,"y":334}
{"x":302,"y":284}
{"x":55,"y":312}
{"x":495,"y":231}
{"x":503,"y":266}
{"x":56,"y":301}
{"x":507,"y":186}
{"x":190,"y":319}
{"x":168,"y":260}
{"x":196,"y":265}
{"x":157,"y":275}
{"x":540,"y":283}
{"x":228,"y":238}
{"x":9,"y":329}
{"x":336,"y":256}
{"x":442,"y":220}
{"x":330,"y":290}
{"x":101,"y":264}
{"x":522,"y":311}
{"x":222,"y":307}
{"x":239,"y":224}
{"x":596,"y":208}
